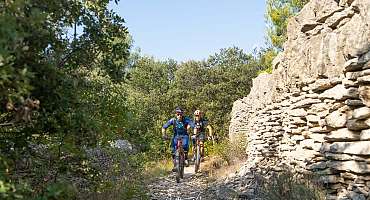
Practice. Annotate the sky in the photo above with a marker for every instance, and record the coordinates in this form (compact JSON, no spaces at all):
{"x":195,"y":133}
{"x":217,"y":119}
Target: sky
{"x":193,"y":29}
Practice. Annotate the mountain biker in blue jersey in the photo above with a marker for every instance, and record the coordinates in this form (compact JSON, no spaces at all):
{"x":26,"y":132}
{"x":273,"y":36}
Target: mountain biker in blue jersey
{"x":181,"y":126}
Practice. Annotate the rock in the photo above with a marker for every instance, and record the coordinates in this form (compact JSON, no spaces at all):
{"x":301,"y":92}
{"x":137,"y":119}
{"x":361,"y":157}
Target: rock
{"x":365,"y":57}
{"x":305,"y":103}
{"x":298,"y":112}
{"x":356,"y":124}
{"x":297,"y":137}
{"x":344,"y":3}
{"x":297,"y":121}
{"x":337,"y":19}
{"x":336,"y":119}
{"x":356,"y":148}
{"x":339,"y":92}
{"x":364,"y":79}
{"x":358,"y":74}
{"x":331,"y":179}
{"x":355,"y":196}
{"x":350,"y":166}
{"x":324,"y":129}
{"x":354,"y":102}
{"x":364,"y":94}
{"x":317,"y":137}
{"x":319,"y":107}
{"x":307,"y":143}
{"x":123,"y":145}
{"x":365,"y":134}
{"x":361,"y":113}
{"x":343,"y":135}
{"x":312,"y":118}
{"x":350,"y":83}
{"x":352,"y":65}
{"x":320,"y":85}
{"x":343,"y":157}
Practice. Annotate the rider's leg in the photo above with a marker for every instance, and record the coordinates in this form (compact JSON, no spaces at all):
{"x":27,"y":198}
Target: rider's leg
{"x":201,"y":149}
{"x":193,"y":139}
{"x":202,"y":140}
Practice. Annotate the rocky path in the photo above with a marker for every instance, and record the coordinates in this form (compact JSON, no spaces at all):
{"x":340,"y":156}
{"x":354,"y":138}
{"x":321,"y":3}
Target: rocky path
{"x":191,"y":187}
{"x":200,"y":186}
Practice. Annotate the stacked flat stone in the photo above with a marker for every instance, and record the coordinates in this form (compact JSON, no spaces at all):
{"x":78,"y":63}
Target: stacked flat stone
{"x":313,"y":112}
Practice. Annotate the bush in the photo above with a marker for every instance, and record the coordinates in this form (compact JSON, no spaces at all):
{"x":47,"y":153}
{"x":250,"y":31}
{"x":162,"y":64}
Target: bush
{"x":229,"y":151}
{"x":289,"y":186}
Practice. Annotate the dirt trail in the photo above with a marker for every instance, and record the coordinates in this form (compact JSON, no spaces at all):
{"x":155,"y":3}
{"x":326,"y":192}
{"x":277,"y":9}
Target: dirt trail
{"x":192,"y":186}
{"x":199,"y":186}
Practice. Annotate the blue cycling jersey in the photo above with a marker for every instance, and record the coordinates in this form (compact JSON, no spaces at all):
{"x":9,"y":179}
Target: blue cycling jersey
{"x":179,"y":127}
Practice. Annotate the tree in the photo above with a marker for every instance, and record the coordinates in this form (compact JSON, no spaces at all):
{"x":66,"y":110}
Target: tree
{"x":58,"y":90}
{"x":278,"y":13}
{"x":213,"y":85}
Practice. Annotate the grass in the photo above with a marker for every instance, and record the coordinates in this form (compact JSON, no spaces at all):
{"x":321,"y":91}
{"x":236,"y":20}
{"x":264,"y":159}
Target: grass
{"x":158,"y":169}
{"x":289,"y":186}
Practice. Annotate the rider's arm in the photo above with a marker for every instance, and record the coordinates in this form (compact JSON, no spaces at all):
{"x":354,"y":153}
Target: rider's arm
{"x":163,"y":132}
{"x":195,"y":131}
{"x":166,"y":125}
{"x":210,"y":130}
{"x":190,"y":125}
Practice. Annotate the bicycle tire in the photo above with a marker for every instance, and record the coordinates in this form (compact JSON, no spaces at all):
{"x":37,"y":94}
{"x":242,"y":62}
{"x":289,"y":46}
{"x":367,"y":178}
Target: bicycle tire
{"x":178,"y":167}
{"x":197,"y":159}
{"x":182,"y":164}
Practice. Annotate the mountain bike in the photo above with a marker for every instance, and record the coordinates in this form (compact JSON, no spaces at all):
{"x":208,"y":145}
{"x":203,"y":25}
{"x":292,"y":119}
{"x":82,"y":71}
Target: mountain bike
{"x":179,"y":159}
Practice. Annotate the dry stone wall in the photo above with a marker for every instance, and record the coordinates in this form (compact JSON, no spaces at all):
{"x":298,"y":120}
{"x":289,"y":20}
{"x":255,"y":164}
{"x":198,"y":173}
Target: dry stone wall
{"x":312,"y":113}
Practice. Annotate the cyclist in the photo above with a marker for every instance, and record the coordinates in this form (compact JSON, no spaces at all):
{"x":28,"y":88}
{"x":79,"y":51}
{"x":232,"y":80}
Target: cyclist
{"x":201,"y":124}
{"x":181,"y":126}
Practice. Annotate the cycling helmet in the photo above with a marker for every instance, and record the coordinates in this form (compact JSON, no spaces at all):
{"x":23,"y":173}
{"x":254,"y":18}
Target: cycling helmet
{"x":197,"y":113}
{"x":179,"y":110}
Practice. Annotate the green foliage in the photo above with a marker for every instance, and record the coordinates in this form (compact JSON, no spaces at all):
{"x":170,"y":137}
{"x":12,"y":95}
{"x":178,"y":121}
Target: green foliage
{"x":58,"y":191}
{"x":278,"y":14}
{"x":148,"y":101}
{"x":77,"y":80}
{"x":155,"y":88}
{"x":229,"y":151}
{"x":214,"y":85}
{"x":287,"y":185}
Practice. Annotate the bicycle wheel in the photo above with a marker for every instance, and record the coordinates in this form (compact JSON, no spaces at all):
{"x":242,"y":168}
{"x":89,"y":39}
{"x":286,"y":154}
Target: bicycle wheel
{"x":197,"y":159}
{"x":178,"y":166}
{"x":182,"y":164}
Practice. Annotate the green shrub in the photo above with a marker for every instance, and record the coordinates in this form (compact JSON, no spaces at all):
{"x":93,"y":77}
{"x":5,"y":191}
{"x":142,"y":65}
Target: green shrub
{"x":227,"y":150}
{"x":58,"y":191}
{"x":289,"y":186}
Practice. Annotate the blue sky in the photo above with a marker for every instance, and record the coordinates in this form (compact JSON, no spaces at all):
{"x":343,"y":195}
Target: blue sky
{"x":193,"y":29}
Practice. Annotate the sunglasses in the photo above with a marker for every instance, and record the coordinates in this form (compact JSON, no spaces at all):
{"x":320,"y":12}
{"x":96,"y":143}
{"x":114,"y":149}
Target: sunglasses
{"x":179,"y":114}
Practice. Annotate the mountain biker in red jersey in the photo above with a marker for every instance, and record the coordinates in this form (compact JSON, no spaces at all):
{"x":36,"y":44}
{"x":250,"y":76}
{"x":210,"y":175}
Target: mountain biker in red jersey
{"x":181,"y":126}
{"x":200,"y":126}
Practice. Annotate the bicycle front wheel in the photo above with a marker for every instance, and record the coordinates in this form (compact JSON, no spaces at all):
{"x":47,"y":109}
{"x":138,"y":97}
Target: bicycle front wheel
{"x":182,"y":164}
{"x":197,"y":159}
{"x":177,"y":163}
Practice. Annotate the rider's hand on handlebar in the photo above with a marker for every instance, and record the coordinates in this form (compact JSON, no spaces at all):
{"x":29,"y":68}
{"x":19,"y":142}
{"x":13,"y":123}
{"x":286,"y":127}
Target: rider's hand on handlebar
{"x":165,"y":137}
